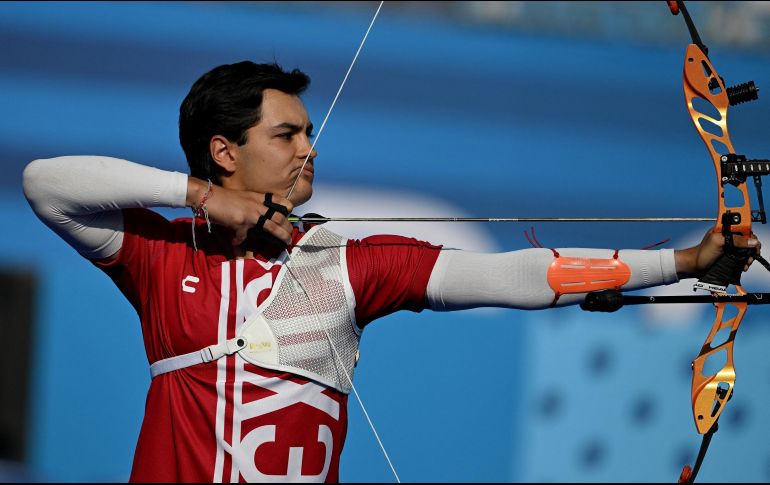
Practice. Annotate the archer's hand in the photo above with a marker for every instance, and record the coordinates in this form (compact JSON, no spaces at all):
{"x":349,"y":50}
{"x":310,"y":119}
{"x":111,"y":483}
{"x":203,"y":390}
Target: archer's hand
{"x":239,"y":210}
{"x":695,"y":261}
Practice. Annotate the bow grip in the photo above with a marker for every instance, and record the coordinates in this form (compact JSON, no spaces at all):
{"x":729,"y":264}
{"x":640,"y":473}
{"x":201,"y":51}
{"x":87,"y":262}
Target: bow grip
{"x":727,"y":270}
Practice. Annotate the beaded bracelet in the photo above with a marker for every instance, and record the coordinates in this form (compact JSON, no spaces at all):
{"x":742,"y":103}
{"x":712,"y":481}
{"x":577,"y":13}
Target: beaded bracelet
{"x":201,"y":209}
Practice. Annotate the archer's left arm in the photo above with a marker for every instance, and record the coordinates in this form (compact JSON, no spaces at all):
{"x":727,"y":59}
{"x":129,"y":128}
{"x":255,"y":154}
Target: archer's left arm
{"x":540,"y":278}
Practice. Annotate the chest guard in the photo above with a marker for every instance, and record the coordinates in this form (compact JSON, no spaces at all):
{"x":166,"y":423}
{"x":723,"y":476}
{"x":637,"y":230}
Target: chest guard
{"x":307,"y":324}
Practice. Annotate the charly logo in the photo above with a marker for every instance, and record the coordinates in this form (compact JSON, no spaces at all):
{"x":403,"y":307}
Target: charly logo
{"x":186,"y":283}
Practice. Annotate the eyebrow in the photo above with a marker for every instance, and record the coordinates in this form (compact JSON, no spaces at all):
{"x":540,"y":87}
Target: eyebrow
{"x":292,"y":127}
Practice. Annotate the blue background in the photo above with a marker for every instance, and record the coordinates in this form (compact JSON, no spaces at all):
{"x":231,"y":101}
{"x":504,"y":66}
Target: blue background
{"x":480,"y":119}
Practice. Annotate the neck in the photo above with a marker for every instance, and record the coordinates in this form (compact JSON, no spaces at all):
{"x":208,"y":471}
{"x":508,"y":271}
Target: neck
{"x":252,"y":248}
{"x":257,"y":246}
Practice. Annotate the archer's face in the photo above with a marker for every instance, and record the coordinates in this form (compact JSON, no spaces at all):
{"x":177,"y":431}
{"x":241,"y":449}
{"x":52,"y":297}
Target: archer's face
{"x":276,"y":148}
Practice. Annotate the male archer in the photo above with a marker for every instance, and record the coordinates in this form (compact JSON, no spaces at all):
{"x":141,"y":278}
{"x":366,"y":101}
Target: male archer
{"x":252,"y":323}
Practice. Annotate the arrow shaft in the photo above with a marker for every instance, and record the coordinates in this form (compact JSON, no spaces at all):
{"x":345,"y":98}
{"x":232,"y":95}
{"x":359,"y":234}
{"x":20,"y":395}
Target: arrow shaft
{"x":500,"y":219}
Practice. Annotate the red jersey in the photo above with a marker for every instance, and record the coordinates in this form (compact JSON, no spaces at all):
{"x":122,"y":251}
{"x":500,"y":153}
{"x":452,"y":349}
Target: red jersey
{"x":229,"y":420}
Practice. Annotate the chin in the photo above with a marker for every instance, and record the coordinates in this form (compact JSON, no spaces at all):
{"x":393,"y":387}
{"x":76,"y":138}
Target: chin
{"x":300,"y":197}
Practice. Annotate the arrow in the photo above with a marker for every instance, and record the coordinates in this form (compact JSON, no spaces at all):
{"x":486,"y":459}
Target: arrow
{"x":315,"y":219}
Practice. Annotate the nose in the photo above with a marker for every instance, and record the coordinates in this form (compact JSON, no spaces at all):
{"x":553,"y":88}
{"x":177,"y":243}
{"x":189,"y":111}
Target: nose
{"x":308,"y":148}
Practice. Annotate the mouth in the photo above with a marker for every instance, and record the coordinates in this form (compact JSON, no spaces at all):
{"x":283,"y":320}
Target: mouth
{"x":308,"y":170}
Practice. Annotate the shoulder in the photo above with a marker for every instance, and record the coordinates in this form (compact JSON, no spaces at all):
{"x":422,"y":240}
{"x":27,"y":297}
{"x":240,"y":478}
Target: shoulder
{"x":390,"y":255}
{"x":149,"y":224}
{"x":392,"y":242}
{"x":143,"y":228}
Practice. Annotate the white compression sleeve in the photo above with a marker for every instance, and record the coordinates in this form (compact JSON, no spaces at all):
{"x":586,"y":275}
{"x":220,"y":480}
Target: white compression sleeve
{"x":518,"y":279}
{"x":80,"y":197}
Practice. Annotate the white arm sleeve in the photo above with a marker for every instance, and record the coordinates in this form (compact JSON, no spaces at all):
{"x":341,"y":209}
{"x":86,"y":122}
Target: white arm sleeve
{"x":80,"y":198}
{"x":518,"y":279}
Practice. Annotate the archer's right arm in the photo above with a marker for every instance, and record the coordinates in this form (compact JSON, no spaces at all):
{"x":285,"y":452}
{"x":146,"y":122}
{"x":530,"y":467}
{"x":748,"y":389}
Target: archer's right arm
{"x":81,"y":199}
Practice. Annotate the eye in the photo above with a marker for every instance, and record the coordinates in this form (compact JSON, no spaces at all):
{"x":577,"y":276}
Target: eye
{"x":286,"y":136}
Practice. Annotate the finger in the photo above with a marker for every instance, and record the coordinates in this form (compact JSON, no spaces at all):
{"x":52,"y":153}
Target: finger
{"x":745,"y":242}
{"x":285,"y":225}
{"x":259,"y":226}
{"x":715,"y":238}
{"x":284,"y":202}
{"x":273,"y":214}
{"x":278,"y":231}
{"x":272,"y":202}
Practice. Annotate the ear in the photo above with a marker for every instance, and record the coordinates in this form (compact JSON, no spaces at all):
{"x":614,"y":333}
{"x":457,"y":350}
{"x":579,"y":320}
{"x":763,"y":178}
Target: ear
{"x":223,"y":152}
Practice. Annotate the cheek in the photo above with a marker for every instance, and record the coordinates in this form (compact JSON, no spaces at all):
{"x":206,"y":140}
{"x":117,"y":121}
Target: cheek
{"x":278,"y":172}
{"x":270,"y":165}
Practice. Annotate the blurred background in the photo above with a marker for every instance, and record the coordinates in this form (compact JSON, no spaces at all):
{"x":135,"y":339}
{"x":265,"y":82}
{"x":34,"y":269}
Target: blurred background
{"x":488,"y":109}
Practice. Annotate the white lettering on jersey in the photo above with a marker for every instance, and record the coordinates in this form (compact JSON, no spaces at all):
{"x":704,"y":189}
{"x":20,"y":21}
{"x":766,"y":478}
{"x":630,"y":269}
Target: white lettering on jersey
{"x":286,"y":393}
{"x":266,"y":434}
{"x":224,"y":305}
{"x":186,"y":287}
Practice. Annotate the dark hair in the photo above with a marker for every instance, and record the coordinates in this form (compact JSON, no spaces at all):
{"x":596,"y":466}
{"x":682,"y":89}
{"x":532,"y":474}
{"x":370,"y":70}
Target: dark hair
{"x":226,"y":101}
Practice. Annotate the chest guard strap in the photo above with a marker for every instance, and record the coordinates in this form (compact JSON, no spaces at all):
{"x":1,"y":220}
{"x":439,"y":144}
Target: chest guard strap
{"x":202,"y":356}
